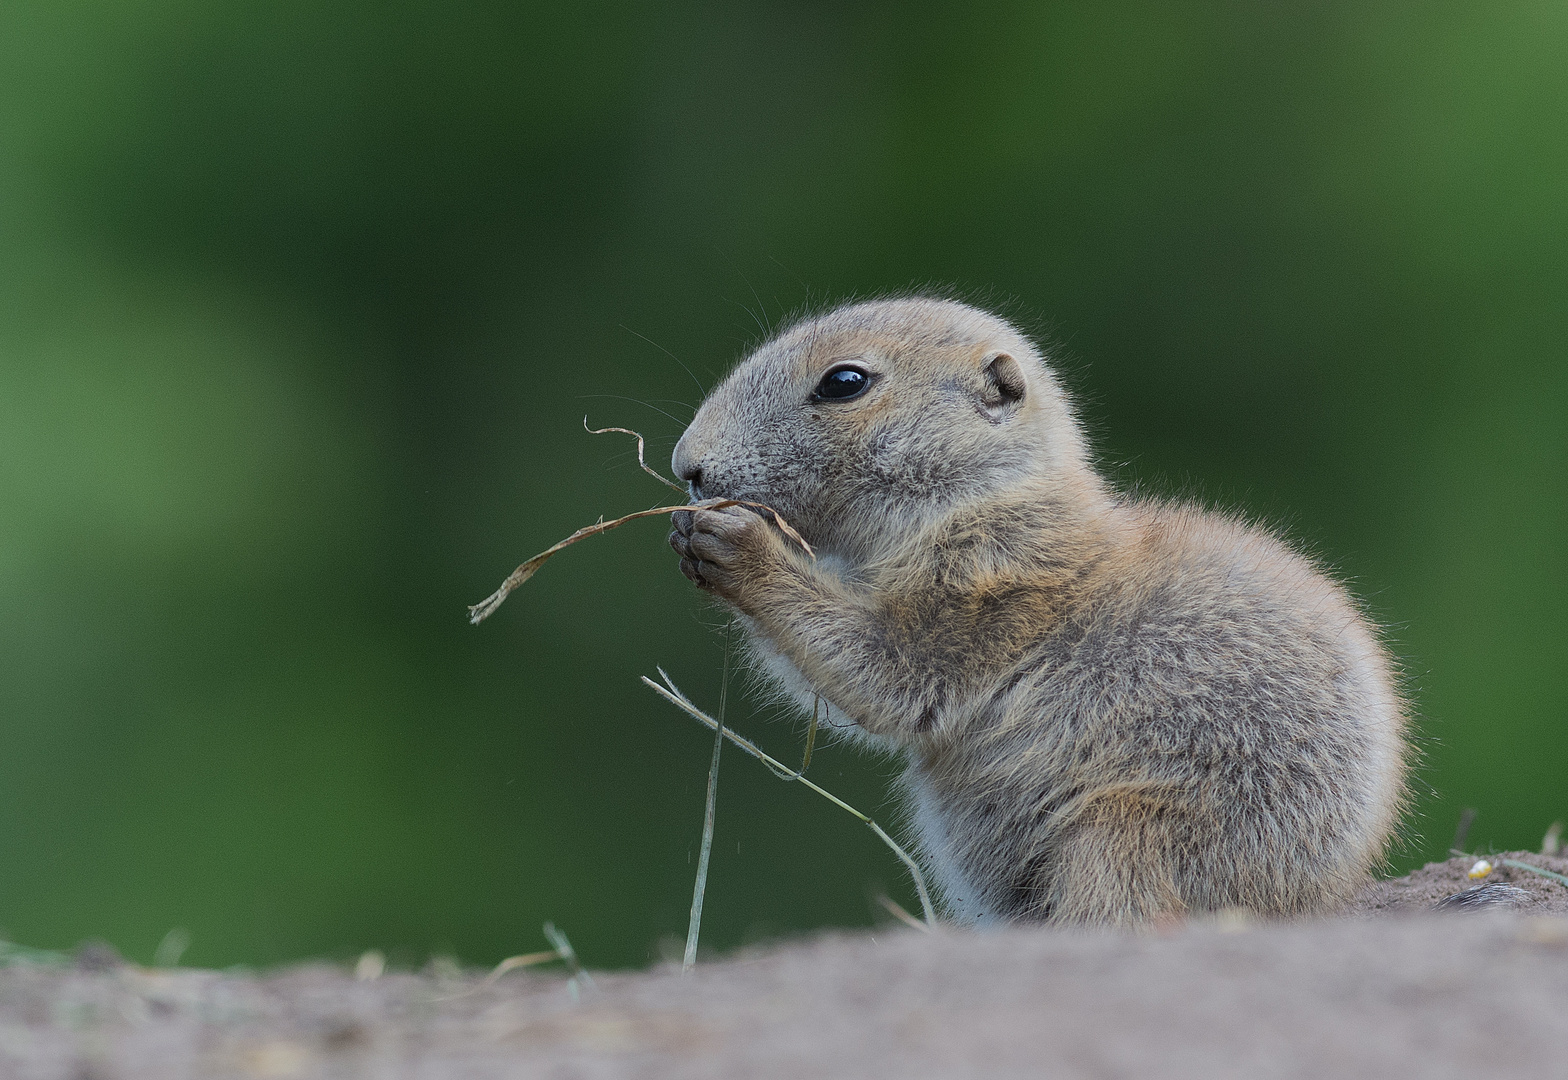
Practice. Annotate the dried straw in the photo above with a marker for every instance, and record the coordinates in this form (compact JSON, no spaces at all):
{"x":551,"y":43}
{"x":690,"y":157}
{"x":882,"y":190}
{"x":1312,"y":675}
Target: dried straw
{"x":671,"y":693}
{"x":478,"y":613}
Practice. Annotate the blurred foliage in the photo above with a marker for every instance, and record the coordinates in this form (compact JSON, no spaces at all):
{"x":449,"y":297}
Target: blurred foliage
{"x":302,"y":305}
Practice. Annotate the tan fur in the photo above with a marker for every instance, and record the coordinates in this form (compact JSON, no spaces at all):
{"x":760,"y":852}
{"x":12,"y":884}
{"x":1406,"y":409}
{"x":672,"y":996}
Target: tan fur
{"x":1112,"y":708}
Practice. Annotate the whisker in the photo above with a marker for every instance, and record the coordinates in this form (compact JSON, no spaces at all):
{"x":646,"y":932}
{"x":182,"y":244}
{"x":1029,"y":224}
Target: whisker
{"x":640,"y":401}
{"x":794,"y":275}
{"x":675,"y":401}
{"x":700,"y":388}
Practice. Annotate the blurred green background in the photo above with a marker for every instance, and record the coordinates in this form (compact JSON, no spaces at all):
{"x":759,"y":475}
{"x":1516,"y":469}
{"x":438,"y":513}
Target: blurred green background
{"x":302,"y":306}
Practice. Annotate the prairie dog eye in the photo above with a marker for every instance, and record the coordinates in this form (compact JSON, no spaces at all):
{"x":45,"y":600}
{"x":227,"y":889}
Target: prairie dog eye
{"x":842,"y":383}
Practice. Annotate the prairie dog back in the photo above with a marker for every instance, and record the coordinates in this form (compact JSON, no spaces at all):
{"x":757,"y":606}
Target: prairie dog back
{"x":1112,"y":709}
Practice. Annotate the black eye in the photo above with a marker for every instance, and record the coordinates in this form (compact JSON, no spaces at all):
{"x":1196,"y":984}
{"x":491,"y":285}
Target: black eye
{"x":842,"y":383}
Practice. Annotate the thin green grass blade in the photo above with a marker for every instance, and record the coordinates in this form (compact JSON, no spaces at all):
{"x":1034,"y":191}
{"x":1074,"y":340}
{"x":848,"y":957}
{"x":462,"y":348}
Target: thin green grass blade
{"x":1559,"y":878}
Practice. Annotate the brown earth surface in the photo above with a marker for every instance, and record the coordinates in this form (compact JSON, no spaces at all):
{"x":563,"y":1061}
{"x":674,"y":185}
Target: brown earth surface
{"x":1392,"y":990}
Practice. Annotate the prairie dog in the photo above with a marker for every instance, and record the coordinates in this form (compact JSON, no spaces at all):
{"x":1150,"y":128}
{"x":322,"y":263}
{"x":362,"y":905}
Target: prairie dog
{"x":1112,"y":708}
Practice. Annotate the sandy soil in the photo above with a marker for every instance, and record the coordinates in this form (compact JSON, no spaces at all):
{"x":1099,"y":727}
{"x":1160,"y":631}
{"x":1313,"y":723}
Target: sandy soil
{"x":1391,"y":990}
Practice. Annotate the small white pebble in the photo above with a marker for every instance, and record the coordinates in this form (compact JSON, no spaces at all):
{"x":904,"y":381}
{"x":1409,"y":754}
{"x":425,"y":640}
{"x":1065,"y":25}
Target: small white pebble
{"x":1480,"y":869}
{"x":371,"y":964}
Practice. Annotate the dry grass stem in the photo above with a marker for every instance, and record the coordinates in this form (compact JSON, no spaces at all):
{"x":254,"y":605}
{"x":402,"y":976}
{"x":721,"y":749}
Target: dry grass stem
{"x":700,"y":888}
{"x":650,"y":470}
{"x":811,"y":736}
{"x":811,"y":742}
{"x":895,"y":909}
{"x":562,"y":951}
{"x":671,"y":693}
{"x":478,"y":613}
{"x":512,"y":963}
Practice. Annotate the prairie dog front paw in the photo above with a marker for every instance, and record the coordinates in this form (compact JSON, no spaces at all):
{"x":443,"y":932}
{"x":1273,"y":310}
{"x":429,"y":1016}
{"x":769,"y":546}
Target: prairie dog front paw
{"x":725,"y":551}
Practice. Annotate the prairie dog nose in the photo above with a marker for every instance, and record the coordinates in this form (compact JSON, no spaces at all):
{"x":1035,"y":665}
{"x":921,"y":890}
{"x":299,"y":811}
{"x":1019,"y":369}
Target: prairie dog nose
{"x":686,"y":467}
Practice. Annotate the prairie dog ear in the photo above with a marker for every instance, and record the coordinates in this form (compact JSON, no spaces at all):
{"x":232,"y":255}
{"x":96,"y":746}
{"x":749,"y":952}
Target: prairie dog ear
{"x":1004,"y":387}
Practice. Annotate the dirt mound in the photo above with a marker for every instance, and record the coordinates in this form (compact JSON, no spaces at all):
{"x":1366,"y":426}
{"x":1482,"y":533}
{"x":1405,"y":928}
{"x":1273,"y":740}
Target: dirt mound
{"x":1437,"y":881}
{"x":1411,"y":993}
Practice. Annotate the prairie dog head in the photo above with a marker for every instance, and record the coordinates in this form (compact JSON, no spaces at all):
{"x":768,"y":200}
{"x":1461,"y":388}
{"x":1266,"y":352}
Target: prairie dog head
{"x":862,"y":425}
